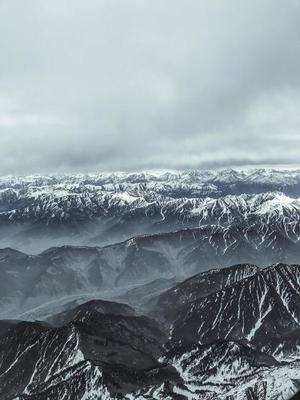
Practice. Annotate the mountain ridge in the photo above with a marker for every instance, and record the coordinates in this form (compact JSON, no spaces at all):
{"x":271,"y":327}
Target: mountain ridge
{"x":102,"y":209}
{"x":94,"y":353}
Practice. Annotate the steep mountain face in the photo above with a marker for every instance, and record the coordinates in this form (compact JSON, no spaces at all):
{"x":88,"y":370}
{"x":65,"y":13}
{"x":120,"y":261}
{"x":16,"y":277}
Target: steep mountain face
{"x":39,"y":212}
{"x":103,"y":350}
{"x":229,"y":370}
{"x":234,"y":332}
{"x":94,"y":354}
{"x":266,"y":304}
{"x":197,"y":287}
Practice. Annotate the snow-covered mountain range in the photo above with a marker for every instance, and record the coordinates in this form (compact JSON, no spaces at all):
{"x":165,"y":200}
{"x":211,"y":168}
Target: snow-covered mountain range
{"x":39,"y":212}
{"x":157,"y":285}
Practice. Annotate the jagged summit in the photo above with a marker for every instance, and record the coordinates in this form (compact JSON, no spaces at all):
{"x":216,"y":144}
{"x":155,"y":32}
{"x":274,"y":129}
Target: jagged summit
{"x":36,"y":214}
{"x":103,"y":350}
{"x":155,"y":285}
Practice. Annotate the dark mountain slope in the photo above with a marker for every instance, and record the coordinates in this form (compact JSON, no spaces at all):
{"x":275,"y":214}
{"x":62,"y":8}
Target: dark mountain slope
{"x":94,"y":352}
{"x":266,"y":304}
{"x":60,"y":275}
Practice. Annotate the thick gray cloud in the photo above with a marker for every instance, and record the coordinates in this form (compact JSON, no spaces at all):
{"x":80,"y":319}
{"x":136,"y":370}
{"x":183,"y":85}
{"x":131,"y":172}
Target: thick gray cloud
{"x":111,"y":84}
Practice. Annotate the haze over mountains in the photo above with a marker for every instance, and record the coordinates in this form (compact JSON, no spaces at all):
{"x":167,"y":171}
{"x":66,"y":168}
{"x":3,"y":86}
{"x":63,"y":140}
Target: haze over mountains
{"x":167,"y":285}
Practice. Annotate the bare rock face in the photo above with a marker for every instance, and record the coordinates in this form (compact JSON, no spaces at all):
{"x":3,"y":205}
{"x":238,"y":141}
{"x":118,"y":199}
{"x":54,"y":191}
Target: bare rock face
{"x":233,"y":332}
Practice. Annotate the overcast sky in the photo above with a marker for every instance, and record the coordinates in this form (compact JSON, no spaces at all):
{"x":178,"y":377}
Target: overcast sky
{"x":129,"y":84}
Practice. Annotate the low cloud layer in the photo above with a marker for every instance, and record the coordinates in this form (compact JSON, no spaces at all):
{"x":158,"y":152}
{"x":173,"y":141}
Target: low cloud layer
{"x":124,"y":85}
